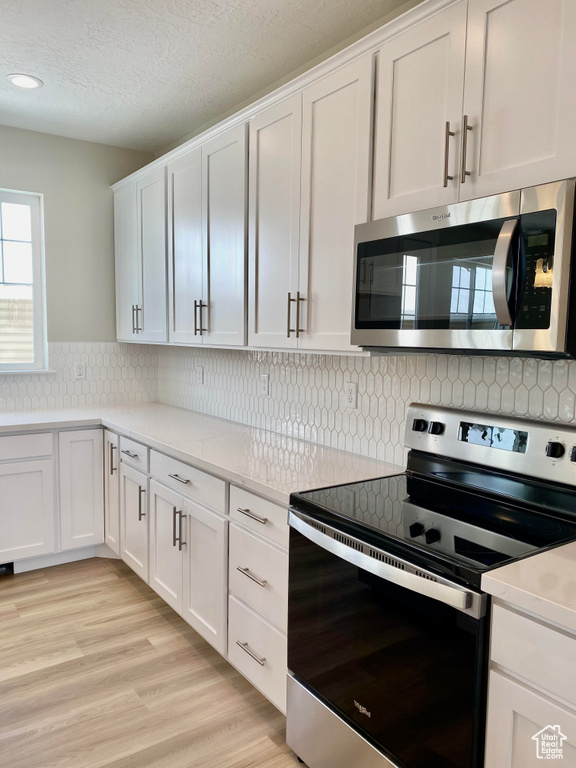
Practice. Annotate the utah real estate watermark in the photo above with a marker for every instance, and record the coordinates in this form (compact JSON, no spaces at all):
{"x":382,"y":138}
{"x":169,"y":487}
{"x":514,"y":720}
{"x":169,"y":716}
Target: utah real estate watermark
{"x":549,"y":743}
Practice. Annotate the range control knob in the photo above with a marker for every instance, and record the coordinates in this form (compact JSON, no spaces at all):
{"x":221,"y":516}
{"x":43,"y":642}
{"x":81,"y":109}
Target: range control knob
{"x":432,"y":535}
{"x":416,"y":529}
{"x":573,"y":453}
{"x":436,"y":428}
{"x":555,"y":450}
{"x":419,"y":425}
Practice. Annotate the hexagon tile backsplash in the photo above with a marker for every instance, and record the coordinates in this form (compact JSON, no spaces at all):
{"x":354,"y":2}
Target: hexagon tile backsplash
{"x":116,"y":374}
{"x":307,"y":394}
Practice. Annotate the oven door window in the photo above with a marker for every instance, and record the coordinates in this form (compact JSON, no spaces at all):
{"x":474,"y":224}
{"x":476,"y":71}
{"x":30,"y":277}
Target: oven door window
{"x":404,"y":669}
{"x":435,"y":280}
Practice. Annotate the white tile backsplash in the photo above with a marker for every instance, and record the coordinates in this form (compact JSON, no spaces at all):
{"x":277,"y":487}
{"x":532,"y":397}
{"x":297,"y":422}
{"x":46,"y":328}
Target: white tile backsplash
{"x":116,"y":374}
{"x":307,"y":392}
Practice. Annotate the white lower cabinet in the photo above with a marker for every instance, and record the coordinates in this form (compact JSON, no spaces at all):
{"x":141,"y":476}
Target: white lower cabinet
{"x":258,"y":650}
{"x":111,"y":492}
{"x":81,"y":488}
{"x":166,"y":528}
{"x":532,"y":693}
{"x":258,"y":585}
{"x":206,"y":574}
{"x":26,"y":509}
{"x":134,"y":519}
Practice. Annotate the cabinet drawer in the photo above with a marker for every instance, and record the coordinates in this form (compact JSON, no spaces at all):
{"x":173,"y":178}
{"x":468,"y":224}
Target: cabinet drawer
{"x":268,"y":519}
{"x":26,"y":446}
{"x":249,"y":634}
{"x":133,"y":453}
{"x":263,"y":581}
{"x":539,"y":654}
{"x":189,"y":481}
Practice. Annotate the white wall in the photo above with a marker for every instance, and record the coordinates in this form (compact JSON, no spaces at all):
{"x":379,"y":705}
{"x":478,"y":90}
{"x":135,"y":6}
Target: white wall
{"x":75,"y":178}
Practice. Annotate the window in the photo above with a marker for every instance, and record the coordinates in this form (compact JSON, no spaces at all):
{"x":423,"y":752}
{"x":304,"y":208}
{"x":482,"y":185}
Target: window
{"x":22,"y":311}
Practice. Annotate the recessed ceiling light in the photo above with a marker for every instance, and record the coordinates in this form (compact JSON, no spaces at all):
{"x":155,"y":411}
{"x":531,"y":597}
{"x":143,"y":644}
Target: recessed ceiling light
{"x":25,"y":81}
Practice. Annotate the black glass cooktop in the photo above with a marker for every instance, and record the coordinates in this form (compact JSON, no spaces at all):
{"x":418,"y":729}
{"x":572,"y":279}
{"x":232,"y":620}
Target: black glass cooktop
{"x":457,"y":518}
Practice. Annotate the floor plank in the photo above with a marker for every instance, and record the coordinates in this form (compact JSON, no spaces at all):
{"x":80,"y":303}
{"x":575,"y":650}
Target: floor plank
{"x":97,"y":672}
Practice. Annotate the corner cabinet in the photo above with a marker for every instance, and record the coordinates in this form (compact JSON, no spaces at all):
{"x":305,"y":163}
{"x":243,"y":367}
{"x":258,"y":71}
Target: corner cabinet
{"x":310,"y":182}
{"x":140,"y":246}
{"x":207,"y":242}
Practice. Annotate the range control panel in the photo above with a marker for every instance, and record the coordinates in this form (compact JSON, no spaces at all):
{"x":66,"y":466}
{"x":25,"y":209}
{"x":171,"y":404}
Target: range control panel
{"x":538,"y":449}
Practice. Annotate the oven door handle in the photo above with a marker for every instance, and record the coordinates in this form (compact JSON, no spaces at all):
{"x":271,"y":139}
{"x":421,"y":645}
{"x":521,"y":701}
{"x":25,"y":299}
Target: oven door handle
{"x":452,"y":595}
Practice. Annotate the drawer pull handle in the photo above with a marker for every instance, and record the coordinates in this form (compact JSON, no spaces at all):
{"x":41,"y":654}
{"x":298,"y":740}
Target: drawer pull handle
{"x":246,"y":572}
{"x":180,"y":479}
{"x":132,"y":455}
{"x":252,"y":516}
{"x":251,"y":653}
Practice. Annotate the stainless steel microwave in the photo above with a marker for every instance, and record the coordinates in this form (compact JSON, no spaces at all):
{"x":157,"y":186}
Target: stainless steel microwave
{"x":488,"y":276}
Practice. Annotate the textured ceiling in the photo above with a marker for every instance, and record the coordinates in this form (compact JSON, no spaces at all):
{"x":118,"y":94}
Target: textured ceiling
{"x":142,"y":73}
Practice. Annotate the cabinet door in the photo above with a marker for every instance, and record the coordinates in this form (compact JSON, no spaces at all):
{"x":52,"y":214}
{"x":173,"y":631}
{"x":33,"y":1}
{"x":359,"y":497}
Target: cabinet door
{"x":224,"y":213}
{"x":275,"y":160}
{"x":166,"y":532}
{"x":519,"y":94}
{"x":336,"y":139}
{"x":26,"y":509}
{"x":186,"y":256}
{"x":206,"y":574}
{"x":515,"y":716}
{"x":420,"y":82}
{"x":128,"y":277}
{"x":152,"y":247}
{"x":111,"y":492}
{"x":81,"y":488}
{"x":134,"y":520}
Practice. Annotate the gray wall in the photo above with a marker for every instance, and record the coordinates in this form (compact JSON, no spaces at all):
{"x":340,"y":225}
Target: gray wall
{"x":75,"y":178}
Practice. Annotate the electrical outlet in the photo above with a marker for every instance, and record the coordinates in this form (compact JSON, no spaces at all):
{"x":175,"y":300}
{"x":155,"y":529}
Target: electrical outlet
{"x":264,"y":384}
{"x":351,"y":390}
{"x":348,"y":501}
{"x":79,"y":371}
{"x":199,"y":375}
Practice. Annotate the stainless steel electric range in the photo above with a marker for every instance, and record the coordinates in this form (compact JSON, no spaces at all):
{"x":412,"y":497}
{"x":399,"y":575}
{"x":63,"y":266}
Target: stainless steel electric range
{"x":387,"y":622}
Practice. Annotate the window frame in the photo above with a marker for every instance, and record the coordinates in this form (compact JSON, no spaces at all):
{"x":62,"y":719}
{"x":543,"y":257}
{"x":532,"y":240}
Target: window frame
{"x":39,"y":331}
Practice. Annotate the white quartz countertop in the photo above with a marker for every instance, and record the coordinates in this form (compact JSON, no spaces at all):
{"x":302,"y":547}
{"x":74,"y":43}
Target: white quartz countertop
{"x":268,"y":463}
{"x":544,"y":584}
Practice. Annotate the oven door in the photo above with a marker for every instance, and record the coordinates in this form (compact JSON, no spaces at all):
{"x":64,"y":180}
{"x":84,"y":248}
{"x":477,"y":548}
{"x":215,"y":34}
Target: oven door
{"x":394,"y":653}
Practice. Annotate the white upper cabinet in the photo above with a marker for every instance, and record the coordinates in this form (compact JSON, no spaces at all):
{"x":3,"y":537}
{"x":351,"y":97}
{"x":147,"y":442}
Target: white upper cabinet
{"x":419,"y":115}
{"x":186,"y":263}
{"x":274,"y":183}
{"x":151,"y":313}
{"x":224,"y":168}
{"x":128,"y":267}
{"x":335,"y":195}
{"x":519,"y":95}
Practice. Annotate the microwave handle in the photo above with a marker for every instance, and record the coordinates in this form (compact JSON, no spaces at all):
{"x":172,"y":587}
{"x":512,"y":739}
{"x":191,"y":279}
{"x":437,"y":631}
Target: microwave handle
{"x":454,"y":596}
{"x":499,"y":270}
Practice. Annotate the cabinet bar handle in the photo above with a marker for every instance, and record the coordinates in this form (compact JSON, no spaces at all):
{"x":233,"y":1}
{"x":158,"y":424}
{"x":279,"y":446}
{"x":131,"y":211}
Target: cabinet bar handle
{"x":174,"y":515}
{"x":111,"y":459}
{"x":251,"y":653}
{"x":195,"y":318}
{"x":132,"y":455}
{"x":298,"y":329}
{"x":138,"y":326}
{"x":246,"y":572}
{"x":252,"y":515}
{"x":465,"y":129}
{"x":140,"y":513}
{"x":288,"y":329}
{"x":133,"y":319}
{"x":180,"y":479}
{"x":447,"y":154}
{"x":181,"y":542}
{"x":201,"y":329}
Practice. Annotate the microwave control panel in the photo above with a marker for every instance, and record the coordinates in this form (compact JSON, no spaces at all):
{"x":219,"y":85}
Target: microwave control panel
{"x":538,"y":244}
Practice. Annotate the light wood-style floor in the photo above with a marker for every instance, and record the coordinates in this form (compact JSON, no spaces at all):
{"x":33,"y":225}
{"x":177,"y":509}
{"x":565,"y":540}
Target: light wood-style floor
{"x":95,"y":670}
